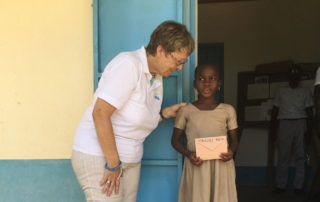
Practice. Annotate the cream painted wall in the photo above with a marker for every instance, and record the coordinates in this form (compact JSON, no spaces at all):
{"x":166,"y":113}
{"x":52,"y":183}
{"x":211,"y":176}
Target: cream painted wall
{"x":256,"y":32}
{"x":46,"y":68}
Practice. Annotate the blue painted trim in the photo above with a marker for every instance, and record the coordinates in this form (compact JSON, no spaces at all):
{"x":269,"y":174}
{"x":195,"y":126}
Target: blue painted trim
{"x":179,"y":99}
{"x":175,"y":73}
{"x":179,"y":11}
{"x":189,"y":67}
{"x":159,"y":162}
{"x":193,"y":56}
{"x":188,"y":18}
{"x":96,"y":72}
{"x":39,"y":181}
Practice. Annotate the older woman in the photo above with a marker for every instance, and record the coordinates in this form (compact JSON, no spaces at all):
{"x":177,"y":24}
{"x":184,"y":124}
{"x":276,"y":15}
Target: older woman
{"x":126,"y":108}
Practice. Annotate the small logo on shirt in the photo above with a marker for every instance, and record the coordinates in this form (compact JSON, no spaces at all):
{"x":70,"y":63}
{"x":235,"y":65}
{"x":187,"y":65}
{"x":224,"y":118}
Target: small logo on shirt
{"x":156,"y":97}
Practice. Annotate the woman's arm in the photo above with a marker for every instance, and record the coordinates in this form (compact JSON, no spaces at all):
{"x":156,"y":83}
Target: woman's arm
{"x":176,"y":143}
{"x":101,"y":116}
{"x":171,"y":111}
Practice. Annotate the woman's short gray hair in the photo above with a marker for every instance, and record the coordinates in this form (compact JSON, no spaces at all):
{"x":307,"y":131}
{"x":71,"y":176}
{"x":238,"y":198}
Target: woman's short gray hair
{"x":172,"y":36}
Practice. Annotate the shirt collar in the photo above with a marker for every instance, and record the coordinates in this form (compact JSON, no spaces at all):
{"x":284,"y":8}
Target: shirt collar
{"x":143,"y":55}
{"x":157,"y":81}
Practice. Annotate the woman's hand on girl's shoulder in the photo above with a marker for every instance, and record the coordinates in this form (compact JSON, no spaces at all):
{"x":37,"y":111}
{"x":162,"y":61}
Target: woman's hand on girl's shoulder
{"x":227,"y":156}
{"x":172,"y":110}
{"x":194,"y":159}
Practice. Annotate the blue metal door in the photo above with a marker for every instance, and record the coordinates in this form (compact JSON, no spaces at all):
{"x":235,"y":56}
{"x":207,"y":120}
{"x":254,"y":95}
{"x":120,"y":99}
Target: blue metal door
{"x":124,"y":25}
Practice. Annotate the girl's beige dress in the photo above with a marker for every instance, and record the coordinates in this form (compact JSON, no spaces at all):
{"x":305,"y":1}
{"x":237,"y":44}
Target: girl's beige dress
{"x":214,"y":180}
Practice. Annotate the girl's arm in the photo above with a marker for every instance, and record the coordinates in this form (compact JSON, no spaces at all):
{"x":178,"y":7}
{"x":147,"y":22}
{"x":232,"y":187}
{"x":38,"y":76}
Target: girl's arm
{"x":233,"y":146}
{"x":175,"y":141}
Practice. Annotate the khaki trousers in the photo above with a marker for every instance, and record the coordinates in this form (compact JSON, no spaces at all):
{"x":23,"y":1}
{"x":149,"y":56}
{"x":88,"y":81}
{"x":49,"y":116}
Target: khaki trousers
{"x":90,"y":169}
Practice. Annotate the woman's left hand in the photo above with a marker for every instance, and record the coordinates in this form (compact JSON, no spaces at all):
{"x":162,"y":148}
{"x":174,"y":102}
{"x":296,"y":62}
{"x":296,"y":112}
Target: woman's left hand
{"x":172,"y":110}
{"x":227,"y":156}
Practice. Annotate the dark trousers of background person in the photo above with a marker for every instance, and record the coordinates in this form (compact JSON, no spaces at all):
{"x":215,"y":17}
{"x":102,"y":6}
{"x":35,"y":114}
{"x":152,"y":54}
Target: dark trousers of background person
{"x":290,"y":141}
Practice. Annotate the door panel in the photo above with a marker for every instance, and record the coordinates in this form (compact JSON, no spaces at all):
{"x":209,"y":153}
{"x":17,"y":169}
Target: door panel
{"x":158,"y":184}
{"x":125,"y":25}
{"x":158,"y":144}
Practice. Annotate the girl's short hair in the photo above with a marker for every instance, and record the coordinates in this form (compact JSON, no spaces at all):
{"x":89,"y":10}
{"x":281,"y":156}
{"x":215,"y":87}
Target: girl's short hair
{"x":205,"y":64}
{"x":172,"y":36}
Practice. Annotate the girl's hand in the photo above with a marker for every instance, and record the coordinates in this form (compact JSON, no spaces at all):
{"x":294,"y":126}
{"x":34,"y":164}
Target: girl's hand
{"x":227,"y":156}
{"x":194,"y":159}
{"x":111,"y":181}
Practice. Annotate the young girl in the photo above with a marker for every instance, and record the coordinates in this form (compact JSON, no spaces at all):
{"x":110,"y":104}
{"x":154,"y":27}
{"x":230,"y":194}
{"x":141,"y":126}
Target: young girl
{"x":211,"y":180}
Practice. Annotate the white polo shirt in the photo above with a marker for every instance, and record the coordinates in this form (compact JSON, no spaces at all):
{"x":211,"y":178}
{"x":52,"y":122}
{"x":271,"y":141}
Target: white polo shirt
{"x":126,"y":84}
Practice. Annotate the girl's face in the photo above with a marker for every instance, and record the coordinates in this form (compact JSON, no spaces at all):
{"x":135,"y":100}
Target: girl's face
{"x":207,"y":81}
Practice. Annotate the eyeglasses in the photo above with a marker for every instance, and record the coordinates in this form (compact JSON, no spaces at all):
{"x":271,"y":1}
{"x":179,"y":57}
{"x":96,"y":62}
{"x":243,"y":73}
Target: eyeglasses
{"x":178,"y":63}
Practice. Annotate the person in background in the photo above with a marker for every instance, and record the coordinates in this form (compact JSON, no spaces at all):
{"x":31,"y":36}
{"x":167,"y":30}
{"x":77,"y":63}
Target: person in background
{"x":126,"y":108}
{"x":291,"y":125}
{"x":314,"y":191}
{"x":317,"y":100}
{"x":206,"y":180}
